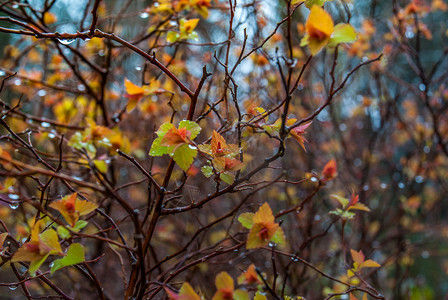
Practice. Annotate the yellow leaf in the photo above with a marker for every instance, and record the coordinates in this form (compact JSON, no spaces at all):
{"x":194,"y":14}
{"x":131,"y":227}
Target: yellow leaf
{"x":264,"y":214}
{"x":319,"y":28}
{"x":223,"y":280}
{"x":188,"y":293}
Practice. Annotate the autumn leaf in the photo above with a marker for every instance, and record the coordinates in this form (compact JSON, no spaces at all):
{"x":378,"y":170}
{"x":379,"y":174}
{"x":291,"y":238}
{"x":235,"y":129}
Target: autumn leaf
{"x":72,"y":208}
{"x":37,"y":250}
{"x":359,"y":263}
{"x":319,"y":28}
{"x":330,"y":170}
{"x":134,"y":93}
{"x":262,"y":227}
{"x":177,"y":142}
{"x":249,"y":276}
{"x":3,"y":237}
{"x":298,"y":132}
{"x":186,"y":293}
{"x":225,"y":287}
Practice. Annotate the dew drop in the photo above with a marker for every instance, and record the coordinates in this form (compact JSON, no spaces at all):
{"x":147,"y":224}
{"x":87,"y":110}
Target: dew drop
{"x":17,"y":82}
{"x":401,"y":185}
{"x":66,"y":41}
{"x":51,"y":135}
{"x":41,"y":93}
{"x":101,"y":53}
{"x":13,"y":196}
{"x":138,"y":68}
{"x":426,"y":149}
{"x":314,"y":179}
{"x":342,"y":127}
{"x":81,"y":88}
{"x":51,"y":264}
{"x":383,"y":185}
{"x":15,"y":6}
{"x":2,"y":73}
{"x":12,"y":287}
{"x":419,"y":179}
{"x":144,"y":15}
{"x":45,"y":124}
{"x":173,"y":23}
{"x":14,"y":204}
{"x":192,"y":147}
{"x":365,"y":188}
{"x":271,"y":244}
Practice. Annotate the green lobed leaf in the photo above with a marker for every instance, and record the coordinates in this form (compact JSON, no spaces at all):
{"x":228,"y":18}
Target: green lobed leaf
{"x":227,"y":177}
{"x":279,"y":236}
{"x":157,"y":149}
{"x":247,"y":220}
{"x":80,"y":225}
{"x":63,"y":232}
{"x":75,"y":255}
{"x":207,"y":171}
{"x":343,"y":33}
{"x":191,"y":126}
{"x":184,"y":156}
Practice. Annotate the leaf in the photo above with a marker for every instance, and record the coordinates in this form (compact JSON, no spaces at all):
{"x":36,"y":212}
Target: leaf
{"x":80,"y":225}
{"x":319,"y":28}
{"x":157,"y":149}
{"x":187,"y":292}
{"x":75,"y":255}
{"x":223,"y":281}
{"x":191,"y":126}
{"x":343,"y":33}
{"x":310,"y":3}
{"x":264,"y":214}
{"x":330,"y":170}
{"x":184,"y":156}
{"x":207,"y":171}
{"x":259,"y":296}
{"x":247,"y":220}
{"x":227,"y":177}
{"x":240,"y":295}
{"x":63,"y":232}
{"x":279,"y":236}
{"x":3,"y":237}
{"x":342,"y":200}
{"x":357,"y":257}
{"x":370,"y":264}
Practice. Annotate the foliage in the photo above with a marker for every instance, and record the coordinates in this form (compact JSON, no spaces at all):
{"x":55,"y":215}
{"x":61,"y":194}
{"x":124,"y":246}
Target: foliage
{"x":211,"y":149}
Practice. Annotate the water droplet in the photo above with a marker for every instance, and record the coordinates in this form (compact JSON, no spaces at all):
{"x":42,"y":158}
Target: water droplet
{"x":236,"y":250}
{"x":409,"y":32}
{"x":298,"y":211}
{"x":426,"y":149}
{"x":81,"y":87}
{"x":365,"y":58}
{"x":293,"y":258}
{"x":12,"y":287}
{"x":51,"y":264}
{"x":13,"y":196}
{"x":271,"y":244}
{"x":144,"y":15}
{"x":357,"y":162}
{"x":14,"y":204}
{"x":15,"y":6}
{"x":138,"y":68}
{"x":419,"y":179}
{"x":17,"y":82}
{"x":383,"y":185}
{"x":101,"y":53}
{"x":45,"y":124}
{"x":156,"y":4}
{"x":171,"y":154}
{"x":300,"y":86}
{"x":342,"y":127}
{"x":314,"y":179}
{"x":365,"y":188}
{"x":2,"y":73}
{"x":192,"y":147}
{"x":425,"y":254}
{"x":173,"y":23}
{"x":41,"y":93}
{"x":401,"y":185}
{"x":51,"y":135}
{"x":422,"y":87}
{"x":66,"y":41}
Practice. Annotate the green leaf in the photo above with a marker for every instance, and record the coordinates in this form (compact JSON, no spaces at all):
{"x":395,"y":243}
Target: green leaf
{"x":191,"y":126}
{"x":75,"y":255}
{"x":164,"y":128}
{"x":157,"y":150}
{"x":184,"y":156}
{"x":279,"y":236}
{"x":247,"y":220}
{"x":34,"y":265}
{"x":207,"y":171}
{"x":100,"y":165}
{"x":80,"y":225}
{"x":172,"y":36}
{"x":240,"y":295}
{"x":227,"y":177}
{"x":343,"y":33}
{"x":342,"y":200}
{"x":63,"y":232}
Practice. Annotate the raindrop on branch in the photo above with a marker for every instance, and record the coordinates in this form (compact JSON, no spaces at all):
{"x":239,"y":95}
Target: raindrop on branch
{"x":66,"y":41}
